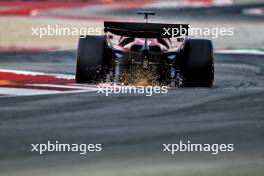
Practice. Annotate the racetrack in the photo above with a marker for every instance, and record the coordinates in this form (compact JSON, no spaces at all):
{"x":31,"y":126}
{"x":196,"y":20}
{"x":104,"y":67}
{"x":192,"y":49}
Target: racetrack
{"x":132,"y":128}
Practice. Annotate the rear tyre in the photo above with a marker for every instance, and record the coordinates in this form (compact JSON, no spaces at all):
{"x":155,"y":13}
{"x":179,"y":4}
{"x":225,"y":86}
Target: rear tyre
{"x":198,"y":67}
{"x":91,"y":59}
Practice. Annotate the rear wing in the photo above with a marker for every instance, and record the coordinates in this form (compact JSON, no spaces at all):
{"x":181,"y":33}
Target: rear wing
{"x":146,"y":30}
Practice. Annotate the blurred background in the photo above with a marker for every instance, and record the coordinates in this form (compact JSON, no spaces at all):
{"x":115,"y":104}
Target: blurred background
{"x":17,"y":17}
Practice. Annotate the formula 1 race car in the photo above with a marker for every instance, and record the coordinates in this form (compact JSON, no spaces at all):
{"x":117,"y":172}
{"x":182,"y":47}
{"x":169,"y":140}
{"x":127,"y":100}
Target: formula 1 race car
{"x":183,"y":62}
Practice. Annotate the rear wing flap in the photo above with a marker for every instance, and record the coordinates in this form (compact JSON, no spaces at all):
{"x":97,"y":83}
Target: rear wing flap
{"x":146,"y":30}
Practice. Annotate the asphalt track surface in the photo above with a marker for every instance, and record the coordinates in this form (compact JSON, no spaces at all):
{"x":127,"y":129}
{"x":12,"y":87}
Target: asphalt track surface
{"x":133,"y":128}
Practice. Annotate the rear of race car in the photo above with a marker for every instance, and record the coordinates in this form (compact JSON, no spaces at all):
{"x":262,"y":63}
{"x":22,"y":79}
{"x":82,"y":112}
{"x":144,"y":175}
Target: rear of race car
{"x":145,"y":48}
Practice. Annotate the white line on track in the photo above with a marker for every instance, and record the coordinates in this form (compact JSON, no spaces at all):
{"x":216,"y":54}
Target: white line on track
{"x":82,"y":87}
{"x":254,"y":11}
{"x":22,"y":91}
{"x":242,"y":51}
{"x":15,"y":92}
